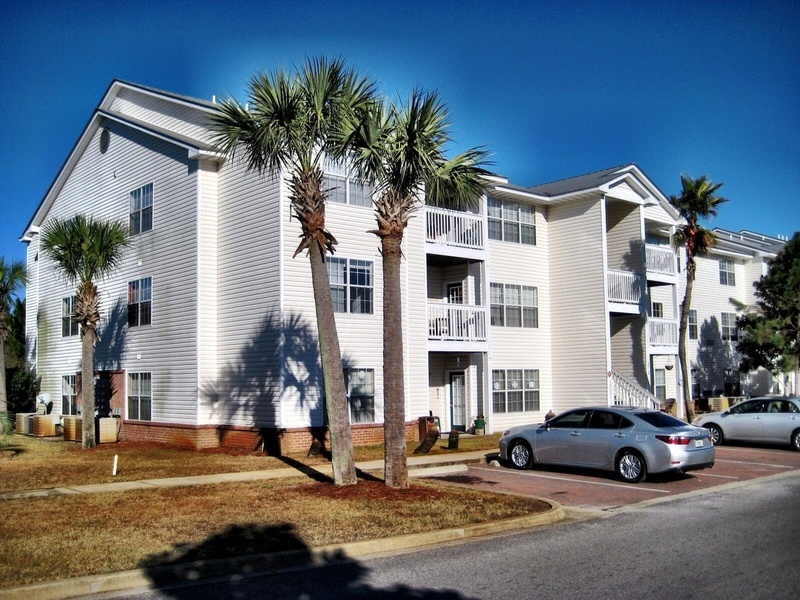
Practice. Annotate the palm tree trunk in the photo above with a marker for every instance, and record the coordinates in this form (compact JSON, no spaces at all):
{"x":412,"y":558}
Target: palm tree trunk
{"x":394,"y":427}
{"x":3,"y":393}
{"x":684,"y":326}
{"x":343,"y":461}
{"x":87,"y":386}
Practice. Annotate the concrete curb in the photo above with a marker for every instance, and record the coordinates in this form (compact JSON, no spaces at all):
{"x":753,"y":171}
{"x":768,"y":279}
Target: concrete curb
{"x":265,"y":564}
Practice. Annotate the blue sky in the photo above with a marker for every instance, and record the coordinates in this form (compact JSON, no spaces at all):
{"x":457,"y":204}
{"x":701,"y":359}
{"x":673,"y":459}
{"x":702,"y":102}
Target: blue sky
{"x":552,"y":89}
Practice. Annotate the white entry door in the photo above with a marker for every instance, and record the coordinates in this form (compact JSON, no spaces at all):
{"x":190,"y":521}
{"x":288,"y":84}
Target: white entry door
{"x":458,"y":401}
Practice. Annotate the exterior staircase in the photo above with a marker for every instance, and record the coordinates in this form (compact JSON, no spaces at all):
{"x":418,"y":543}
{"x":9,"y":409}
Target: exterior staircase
{"x":626,"y":392}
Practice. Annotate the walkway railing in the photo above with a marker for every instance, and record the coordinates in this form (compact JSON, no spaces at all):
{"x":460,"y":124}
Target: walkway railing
{"x":626,"y":392}
{"x":454,"y":228}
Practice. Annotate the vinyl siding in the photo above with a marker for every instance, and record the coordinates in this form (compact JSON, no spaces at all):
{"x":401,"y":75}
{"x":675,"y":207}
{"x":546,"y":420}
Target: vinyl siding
{"x":99,"y":186}
{"x":578,"y":307}
{"x":624,"y":234}
{"x":249,"y":353}
{"x":523,"y":348}
{"x":415,"y":318}
{"x":208,"y":267}
{"x":628,"y":347}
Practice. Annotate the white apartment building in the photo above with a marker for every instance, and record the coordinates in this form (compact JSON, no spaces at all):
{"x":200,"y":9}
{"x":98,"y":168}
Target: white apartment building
{"x":544,"y":298}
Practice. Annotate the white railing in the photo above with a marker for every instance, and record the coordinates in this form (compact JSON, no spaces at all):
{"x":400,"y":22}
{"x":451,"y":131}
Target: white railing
{"x":456,"y":322}
{"x":660,"y":259}
{"x":626,"y":392}
{"x":662,"y":332}
{"x":624,"y":287}
{"x":454,"y":228}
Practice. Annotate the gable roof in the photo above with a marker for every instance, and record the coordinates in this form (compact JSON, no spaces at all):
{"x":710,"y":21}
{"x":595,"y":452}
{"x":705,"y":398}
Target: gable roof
{"x":579,"y":183}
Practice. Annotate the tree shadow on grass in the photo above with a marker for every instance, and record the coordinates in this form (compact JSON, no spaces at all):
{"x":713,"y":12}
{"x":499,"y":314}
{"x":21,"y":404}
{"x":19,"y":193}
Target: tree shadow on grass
{"x":256,"y":561}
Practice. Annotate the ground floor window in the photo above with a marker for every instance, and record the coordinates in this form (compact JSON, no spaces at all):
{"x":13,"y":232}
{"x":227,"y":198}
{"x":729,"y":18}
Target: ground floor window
{"x":69,"y":395}
{"x":732,"y":386}
{"x":361,"y":394}
{"x":515,"y":390}
{"x":660,"y":384}
{"x":140,"y":396}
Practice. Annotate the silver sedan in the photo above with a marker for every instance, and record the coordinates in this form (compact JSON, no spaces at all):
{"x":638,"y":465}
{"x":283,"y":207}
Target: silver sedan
{"x":630,"y":441}
{"x":770,"y":419}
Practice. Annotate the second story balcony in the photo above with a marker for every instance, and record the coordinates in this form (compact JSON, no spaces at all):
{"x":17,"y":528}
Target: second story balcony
{"x":454,"y":232}
{"x":661,"y":264}
{"x":662,"y":335}
{"x":456,"y":326}
{"x":624,"y":291}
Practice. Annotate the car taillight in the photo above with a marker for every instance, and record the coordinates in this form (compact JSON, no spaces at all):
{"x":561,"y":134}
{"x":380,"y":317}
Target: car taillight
{"x":680,"y":440}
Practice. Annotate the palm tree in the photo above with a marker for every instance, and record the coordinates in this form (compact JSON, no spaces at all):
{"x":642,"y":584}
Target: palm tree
{"x":12,"y":277}
{"x":85,"y":249}
{"x":288,"y":126}
{"x":697,"y":200}
{"x":401,"y":150}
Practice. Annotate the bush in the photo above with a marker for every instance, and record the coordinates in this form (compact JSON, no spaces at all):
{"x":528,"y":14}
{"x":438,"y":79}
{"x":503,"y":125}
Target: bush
{"x":22,"y":388}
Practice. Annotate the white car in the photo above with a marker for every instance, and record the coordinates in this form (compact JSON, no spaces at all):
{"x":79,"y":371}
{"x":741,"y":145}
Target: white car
{"x":628,"y":440}
{"x":770,"y":419}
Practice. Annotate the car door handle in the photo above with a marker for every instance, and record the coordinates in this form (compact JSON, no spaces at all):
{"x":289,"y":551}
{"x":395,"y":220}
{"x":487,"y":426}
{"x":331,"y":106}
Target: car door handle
{"x":575,"y":433}
{"x":619,"y":435}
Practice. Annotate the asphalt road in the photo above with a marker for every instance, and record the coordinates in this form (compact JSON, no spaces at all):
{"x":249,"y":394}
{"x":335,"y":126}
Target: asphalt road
{"x":735,"y":541}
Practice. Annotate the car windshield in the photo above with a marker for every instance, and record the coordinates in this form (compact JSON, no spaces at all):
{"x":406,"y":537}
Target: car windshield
{"x":659,"y":419}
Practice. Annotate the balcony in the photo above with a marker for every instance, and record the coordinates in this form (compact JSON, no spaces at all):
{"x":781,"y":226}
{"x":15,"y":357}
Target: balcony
{"x":454,"y":232}
{"x":662,"y":335}
{"x":624,"y":291}
{"x":456,"y":326}
{"x":661,"y":264}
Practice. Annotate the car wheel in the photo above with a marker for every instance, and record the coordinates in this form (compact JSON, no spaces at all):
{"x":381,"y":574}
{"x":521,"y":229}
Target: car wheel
{"x":631,"y":467}
{"x":520,"y":455}
{"x":796,"y":440}
{"x":716,"y":434}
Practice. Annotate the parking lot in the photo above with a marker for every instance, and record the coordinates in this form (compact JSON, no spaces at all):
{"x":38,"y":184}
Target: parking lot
{"x":601,"y":490}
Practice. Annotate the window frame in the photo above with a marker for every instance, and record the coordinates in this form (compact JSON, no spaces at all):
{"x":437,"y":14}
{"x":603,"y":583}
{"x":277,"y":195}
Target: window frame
{"x":660,"y":384}
{"x":728,"y":330}
{"x":513,"y":222}
{"x":524,"y":397}
{"x":657,"y":310}
{"x":69,"y":326}
{"x":69,"y":395}
{"x":341,"y":188}
{"x":727,"y":273}
{"x":133,"y":394}
{"x":356,"y":413}
{"x":140,"y":214}
{"x":692,"y":325}
{"x":355,"y":289}
{"x":521,"y":314}
{"x":141,"y":308}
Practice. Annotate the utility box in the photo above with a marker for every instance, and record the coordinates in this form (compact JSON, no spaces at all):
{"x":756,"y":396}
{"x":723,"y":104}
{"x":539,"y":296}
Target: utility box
{"x":24,"y":423}
{"x":107,"y":430}
{"x":44,"y":425}
{"x":73,"y":428}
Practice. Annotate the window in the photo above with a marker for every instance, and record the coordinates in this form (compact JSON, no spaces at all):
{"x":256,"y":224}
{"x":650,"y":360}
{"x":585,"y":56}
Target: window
{"x":140,"y":302}
{"x":361,"y":394}
{"x":732,"y":387}
{"x":69,"y":326}
{"x":695,"y":384}
{"x":514,"y":305}
{"x":351,"y":285}
{"x":515,"y":390}
{"x":692,"y":324}
{"x":140,"y":396}
{"x":726,"y":274}
{"x":729,"y":331}
{"x":141,"y":209}
{"x":660,"y":384}
{"x":69,"y":395}
{"x":342,"y":189}
{"x":512,"y":222}
{"x":658,"y":310}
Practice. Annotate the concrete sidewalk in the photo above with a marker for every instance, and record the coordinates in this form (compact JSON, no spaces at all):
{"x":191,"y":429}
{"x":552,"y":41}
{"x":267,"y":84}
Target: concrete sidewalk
{"x":417,"y":466}
{"x":192,"y":573}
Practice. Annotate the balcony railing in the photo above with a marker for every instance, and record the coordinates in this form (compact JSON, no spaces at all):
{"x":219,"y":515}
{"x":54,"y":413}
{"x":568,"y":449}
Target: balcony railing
{"x":456,"y":322}
{"x":662,"y":332}
{"x":624,"y":287}
{"x":660,"y":259}
{"x":454,"y":228}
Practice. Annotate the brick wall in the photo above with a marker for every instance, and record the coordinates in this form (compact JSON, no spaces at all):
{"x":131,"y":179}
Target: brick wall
{"x":274,"y":442}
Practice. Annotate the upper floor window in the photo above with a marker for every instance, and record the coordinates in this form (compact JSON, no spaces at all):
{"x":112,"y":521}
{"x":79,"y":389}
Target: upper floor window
{"x":729,"y":331}
{"x":69,"y":395}
{"x":726,"y":274}
{"x":514,"y":305}
{"x":511,"y":221}
{"x":69,"y":326}
{"x":692,"y":324}
{"x":141,"y":210}
{"x":658,"y":310}
{"x":339,"y":187}
{"x":140,"y":300}
{"x":515,"y":390}
{"x":361,"y":394}
{"x":351,"y":285}
{"x":140,"y":396}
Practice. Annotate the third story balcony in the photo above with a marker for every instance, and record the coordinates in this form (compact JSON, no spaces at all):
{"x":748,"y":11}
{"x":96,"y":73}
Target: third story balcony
{"x":454,"y":233}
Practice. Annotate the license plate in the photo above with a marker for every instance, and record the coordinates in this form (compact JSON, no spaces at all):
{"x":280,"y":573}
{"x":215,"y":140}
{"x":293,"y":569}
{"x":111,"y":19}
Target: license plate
{"x":699,"y":443}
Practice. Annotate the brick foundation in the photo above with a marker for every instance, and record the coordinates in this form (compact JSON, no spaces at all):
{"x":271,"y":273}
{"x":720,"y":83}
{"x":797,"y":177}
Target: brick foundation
{"x":272,"y":441}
